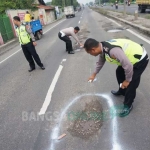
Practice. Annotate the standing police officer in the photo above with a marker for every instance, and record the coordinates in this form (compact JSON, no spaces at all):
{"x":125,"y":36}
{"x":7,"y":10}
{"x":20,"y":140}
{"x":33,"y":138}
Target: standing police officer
{"x":27,"y":41}
{"x":131,"y":59}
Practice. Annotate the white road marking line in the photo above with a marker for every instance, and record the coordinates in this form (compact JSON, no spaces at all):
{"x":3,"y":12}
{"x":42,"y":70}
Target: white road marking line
{"x":63,"y":61}
{"x":79,"y":22}
{"x":134,"y":33}
{"x":10,"y":56}
{"x":50,"y":91}
{"x":115,"y":22}
{"x":139,"y":36}
{"x":54,"y":26}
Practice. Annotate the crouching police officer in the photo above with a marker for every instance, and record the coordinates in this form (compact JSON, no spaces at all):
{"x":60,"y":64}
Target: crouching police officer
{"x":27,"y":41}
{"x":131,"y":59}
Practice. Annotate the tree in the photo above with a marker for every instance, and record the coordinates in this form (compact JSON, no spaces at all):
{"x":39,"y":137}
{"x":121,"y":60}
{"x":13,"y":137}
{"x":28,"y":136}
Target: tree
{"x":48,"y":3}
{"x":65,"y":3}
{"x":15,"y":4}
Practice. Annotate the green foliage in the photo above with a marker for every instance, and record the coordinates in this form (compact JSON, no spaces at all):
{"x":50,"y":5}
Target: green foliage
{"x":147,"y":16}
{"x":48,"y":3}
{"x":16,"y":4}
{"x":65,"y":3}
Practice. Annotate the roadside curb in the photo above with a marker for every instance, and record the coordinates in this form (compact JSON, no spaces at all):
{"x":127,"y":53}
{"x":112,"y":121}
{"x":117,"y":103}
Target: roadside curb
{"x":138,"y":27}
{"x":11,"y":44}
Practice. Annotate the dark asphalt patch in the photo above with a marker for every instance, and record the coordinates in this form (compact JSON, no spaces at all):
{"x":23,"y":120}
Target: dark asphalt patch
{"x":88,"y":122}
{"x":107,"y":25}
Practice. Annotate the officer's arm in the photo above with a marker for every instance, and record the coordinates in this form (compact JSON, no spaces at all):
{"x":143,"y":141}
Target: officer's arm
{"x":99,"y":66}
{"x":28,"y":29}
{"x":100,"y":63}
{"x":75,"y":37}
{"x":120,"y":56}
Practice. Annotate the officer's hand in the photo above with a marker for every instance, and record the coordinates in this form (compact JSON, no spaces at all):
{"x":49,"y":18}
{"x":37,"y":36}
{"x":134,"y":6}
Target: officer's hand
{"x":34,"y":43}
{"x":92,"y":77}
{"x":125,"y":84}
{"x":81,"y":45}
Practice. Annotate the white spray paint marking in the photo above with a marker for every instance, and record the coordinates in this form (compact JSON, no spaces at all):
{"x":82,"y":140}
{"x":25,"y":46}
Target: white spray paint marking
{"x":50,"y":91}
{"x":20,"y":49}
{"x":55,"y":133}
{"x":114,"y":22}
{"x":79,"y":22}
{"x":114,"y":123}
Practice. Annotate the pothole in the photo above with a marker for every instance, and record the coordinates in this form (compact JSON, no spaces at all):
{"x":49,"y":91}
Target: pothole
{"x":87,"y":122}
{"x":116,"y":30}
{"x":107,"y":25}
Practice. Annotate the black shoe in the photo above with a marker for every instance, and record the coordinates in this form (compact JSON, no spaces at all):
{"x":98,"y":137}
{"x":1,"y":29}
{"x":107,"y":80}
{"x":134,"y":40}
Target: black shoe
{"x":31,"y":69}
{"x":116,"y":93}
{"x":125,"y":111}
{"x":72,"y":52}
{"x":43,"y":68}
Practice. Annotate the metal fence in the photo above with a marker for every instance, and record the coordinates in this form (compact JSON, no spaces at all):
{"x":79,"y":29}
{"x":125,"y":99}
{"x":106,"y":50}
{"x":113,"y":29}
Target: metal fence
{"x":6,"y":28}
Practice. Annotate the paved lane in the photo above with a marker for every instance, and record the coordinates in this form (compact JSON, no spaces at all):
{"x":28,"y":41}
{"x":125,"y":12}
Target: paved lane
{"x":23,"y":94}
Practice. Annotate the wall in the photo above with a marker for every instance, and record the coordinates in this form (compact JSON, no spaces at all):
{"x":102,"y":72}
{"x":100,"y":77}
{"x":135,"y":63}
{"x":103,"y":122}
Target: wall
{"x":12,"y":13}
{"x":52,"y":13}
{"x":1,"y":40}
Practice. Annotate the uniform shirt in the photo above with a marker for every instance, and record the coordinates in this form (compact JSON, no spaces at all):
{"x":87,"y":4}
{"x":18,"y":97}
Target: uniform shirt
{"x":119,"y":54}
{"x":29,"y":31}
{"x":27,"y":17}
{"x":70,"y":32}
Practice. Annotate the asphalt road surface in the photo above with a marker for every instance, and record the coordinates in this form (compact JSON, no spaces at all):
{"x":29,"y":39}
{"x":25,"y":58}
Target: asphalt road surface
{"x":129,"y":9}
{"x":37,"y":107}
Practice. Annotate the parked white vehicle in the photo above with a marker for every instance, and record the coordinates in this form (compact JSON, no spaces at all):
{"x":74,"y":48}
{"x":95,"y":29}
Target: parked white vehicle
{"x":69,"y":11}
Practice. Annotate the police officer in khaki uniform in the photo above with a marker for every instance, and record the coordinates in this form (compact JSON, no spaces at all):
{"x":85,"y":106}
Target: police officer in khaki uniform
{"x":27,"y":41}
{"x":131,"y":59}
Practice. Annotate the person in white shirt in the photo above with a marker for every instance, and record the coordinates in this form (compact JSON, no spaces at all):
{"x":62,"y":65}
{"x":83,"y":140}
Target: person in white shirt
{"x":64,"y":36}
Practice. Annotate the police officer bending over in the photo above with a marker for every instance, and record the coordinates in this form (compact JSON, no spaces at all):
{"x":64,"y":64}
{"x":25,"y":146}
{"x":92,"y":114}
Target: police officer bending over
{"x":27,"y":41}
{"x":131,"y":59}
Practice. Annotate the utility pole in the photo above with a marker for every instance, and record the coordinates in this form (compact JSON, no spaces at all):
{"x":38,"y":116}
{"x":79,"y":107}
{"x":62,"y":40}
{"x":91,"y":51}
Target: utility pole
{"x":124,"y":12}
{"x":99,"y":2}
{"x":65,"y":3}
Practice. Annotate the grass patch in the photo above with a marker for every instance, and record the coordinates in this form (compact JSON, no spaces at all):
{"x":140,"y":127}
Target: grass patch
{"x":147,"y":16}
{"x":100,"y":10}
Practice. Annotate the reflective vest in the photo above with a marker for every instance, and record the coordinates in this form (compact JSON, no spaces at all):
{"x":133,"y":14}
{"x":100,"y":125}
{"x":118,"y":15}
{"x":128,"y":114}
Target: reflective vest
{"x":132,"y":50}
{"x":24,"y":37}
